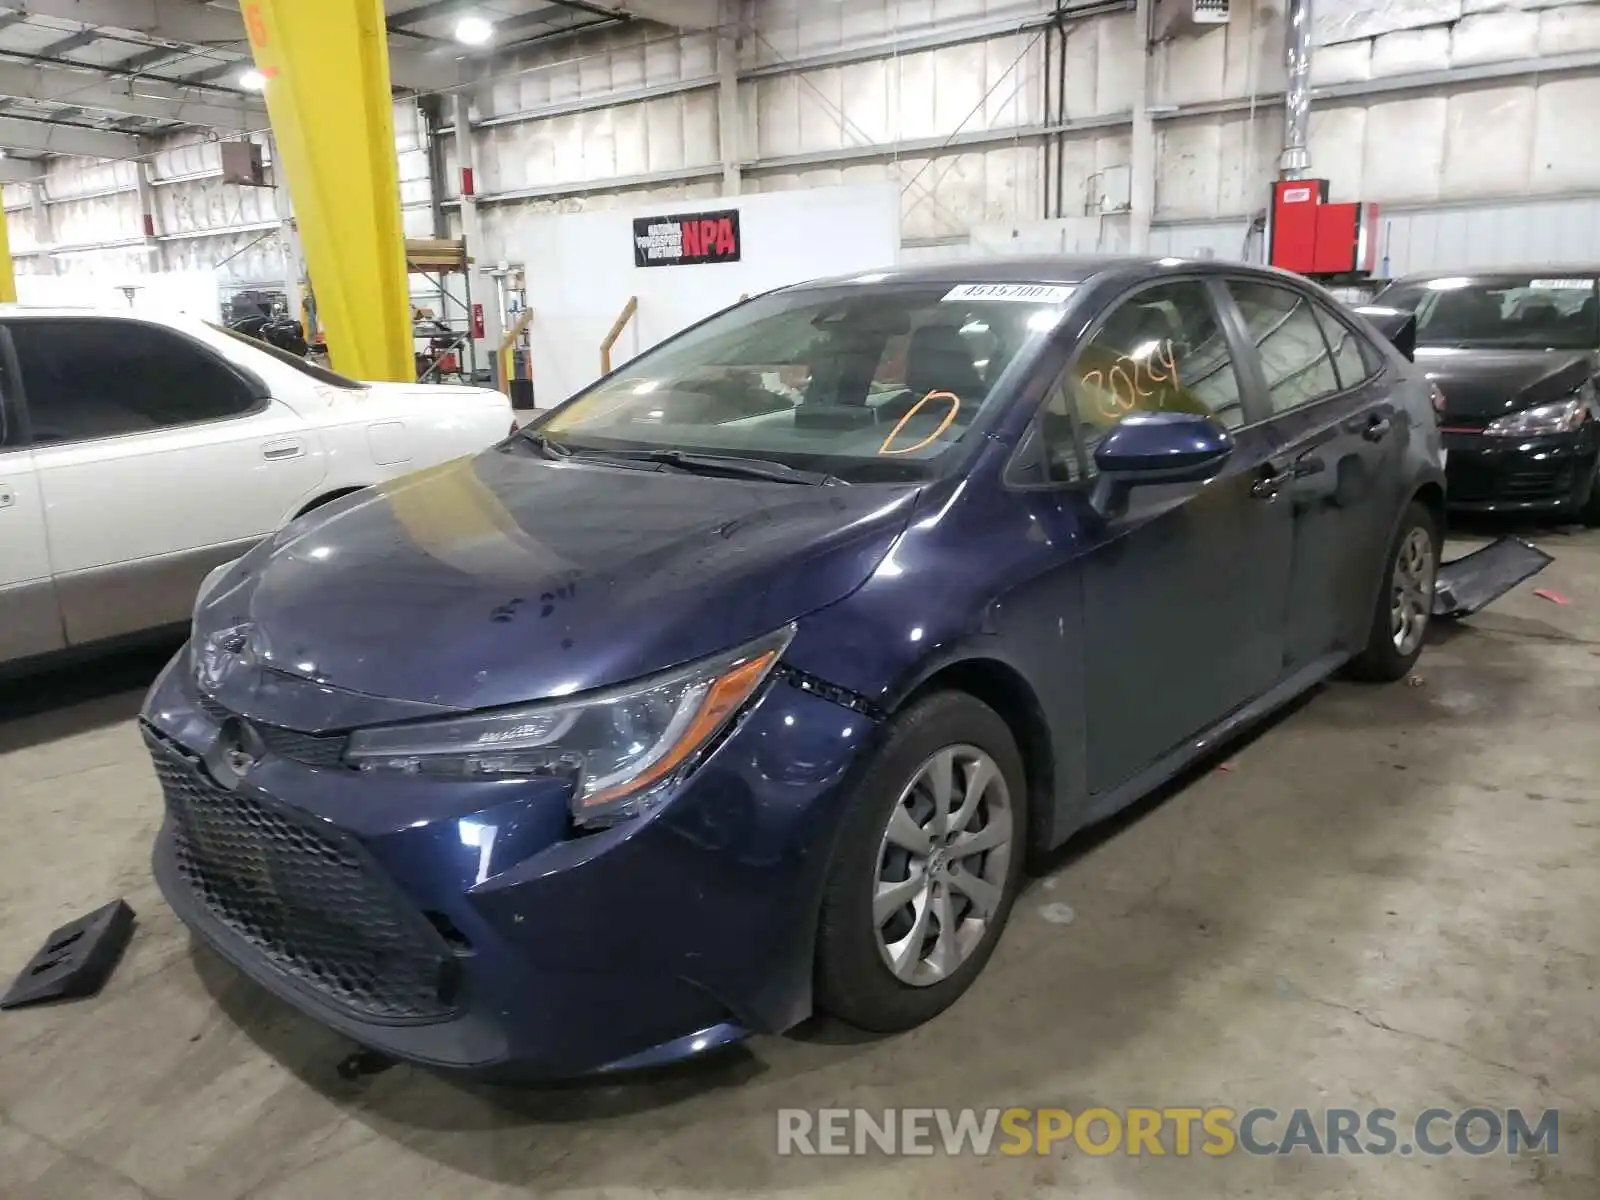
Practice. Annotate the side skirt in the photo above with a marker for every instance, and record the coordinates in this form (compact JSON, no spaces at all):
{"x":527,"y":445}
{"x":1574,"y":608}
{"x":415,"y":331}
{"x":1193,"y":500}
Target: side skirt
{"x":1175,"y":760}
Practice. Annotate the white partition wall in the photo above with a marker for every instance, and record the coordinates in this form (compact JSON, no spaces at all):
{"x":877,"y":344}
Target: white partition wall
{"x":581,"y":271}
{"x":160,"y":294}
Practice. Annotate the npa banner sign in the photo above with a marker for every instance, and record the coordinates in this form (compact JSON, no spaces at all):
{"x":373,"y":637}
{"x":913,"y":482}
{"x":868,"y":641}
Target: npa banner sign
{"x":686,"y":238}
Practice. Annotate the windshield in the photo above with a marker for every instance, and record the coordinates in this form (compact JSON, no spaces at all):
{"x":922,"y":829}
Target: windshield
{"x":863,"y":383}
{"x":305,"y":367}
{"x":1510,"y":312}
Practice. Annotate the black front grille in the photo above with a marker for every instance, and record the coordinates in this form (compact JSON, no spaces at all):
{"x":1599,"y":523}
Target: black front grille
{"x":305,"y":896}
{"x":1471,"y":478}
{"x":1534,"y":483}
{"x":312,"y":749}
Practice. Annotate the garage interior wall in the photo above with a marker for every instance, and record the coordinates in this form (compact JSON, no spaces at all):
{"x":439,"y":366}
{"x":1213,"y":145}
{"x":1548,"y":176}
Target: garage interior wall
{"x":946,"y":99}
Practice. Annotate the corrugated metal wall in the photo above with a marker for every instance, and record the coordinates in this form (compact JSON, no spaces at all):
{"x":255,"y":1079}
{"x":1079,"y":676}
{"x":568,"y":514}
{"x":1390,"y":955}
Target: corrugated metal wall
{"x":1470,"y":119}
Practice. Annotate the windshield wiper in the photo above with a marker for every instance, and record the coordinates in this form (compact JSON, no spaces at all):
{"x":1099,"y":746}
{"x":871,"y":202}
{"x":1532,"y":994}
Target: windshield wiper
{"x":546,"y":444}
{"x":727,"y":464}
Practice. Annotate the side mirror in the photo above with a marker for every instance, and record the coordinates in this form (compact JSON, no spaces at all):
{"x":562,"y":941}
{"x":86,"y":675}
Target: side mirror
{"x":1154,"y":448}
{"x":1399,"y":326}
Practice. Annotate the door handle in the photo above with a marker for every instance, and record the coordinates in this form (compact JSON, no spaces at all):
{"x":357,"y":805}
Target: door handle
{"x":290,"y":448}
{"x":1311,"y":464}
{"x":1377,"y":429}
{"x":7,"y":496}
{"x":1270,"y":484}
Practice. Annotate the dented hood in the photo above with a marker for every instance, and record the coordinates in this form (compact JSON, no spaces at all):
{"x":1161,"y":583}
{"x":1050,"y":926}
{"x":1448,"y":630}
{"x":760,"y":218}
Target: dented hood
{"x":505,"y":578}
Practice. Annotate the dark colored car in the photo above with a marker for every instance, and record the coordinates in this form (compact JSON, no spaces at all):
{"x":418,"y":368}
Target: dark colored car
{"x":1514,"y":354}
{"x":742,"y":684}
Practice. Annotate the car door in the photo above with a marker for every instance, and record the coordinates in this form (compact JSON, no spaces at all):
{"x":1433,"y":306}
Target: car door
{"x":30,"y":621}
{"x":156,"y":460}
{"x":1182,"y":595}
{"x":1338,"y":439}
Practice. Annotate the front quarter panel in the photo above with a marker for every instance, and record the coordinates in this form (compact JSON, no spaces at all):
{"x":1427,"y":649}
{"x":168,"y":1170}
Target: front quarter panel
{"x":981,"y":574}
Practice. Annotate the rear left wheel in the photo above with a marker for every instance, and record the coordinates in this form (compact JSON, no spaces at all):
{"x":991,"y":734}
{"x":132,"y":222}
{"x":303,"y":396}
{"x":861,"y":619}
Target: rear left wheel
{"x":1405,"y":603}
{"x":926,"y":868}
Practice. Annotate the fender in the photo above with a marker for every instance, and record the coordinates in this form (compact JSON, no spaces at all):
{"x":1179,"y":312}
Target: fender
{"x":983,"y":664}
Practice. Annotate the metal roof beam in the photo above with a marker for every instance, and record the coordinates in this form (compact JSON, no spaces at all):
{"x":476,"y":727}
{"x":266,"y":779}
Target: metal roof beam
{"x":143,"y":59}
{"x":20,"y":170}
{"x":146,"y":98}
{"x":424,"y":12}
{"x":202,"y":25}
{"x":73,"y":41}
{"x":168,"y":20}
{"x":41,"y":137}
{"x":680,"y":14}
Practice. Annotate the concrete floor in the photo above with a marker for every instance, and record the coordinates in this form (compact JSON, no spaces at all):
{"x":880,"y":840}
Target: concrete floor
{"x":1388,"y":898}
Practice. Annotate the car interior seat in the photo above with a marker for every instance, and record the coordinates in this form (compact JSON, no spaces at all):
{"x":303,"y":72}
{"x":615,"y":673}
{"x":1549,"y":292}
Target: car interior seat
{"x":938,"y":359}
{"x":1584,"y":322}
{"x":1465,"y":314}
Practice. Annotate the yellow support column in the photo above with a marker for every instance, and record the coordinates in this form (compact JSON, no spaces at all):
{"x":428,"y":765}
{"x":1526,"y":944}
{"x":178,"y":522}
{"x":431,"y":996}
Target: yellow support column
{"x":326,"y":64}
{"x":8,"y":276}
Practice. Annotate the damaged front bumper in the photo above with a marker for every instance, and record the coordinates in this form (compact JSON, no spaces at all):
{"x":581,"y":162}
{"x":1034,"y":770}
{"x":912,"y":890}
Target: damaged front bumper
{"x":1469,"y":584}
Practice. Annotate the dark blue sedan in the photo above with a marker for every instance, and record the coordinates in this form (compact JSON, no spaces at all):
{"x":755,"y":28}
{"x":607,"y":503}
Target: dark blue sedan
{"x":743,"y":684}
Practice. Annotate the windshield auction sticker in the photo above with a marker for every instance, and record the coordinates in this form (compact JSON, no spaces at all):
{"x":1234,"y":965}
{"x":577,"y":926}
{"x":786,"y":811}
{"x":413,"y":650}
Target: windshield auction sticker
{"x":1561,"y":285}
{"x":1020,"y":293}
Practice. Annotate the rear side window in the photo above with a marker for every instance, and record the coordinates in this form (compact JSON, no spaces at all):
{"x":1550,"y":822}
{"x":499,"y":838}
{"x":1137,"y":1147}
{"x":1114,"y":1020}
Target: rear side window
{"x":88,"y":378}
{"x":10,"y":424}
{"x":1286,"y":331}
{"x":1353,"y":361}
{"x":303,"y":365}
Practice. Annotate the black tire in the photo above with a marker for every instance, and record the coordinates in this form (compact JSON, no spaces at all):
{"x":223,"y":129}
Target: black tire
{"x":1589,"y":514}
{"x":854,"y":982}
{"x":1381,"y":661}
{"x":323,"y":501}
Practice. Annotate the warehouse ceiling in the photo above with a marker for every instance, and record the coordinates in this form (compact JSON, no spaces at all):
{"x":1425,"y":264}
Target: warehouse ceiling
{"x":93,"y":77}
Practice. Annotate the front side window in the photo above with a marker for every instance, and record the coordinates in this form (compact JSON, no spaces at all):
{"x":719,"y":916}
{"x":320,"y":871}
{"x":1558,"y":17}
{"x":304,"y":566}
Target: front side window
{"x":1511,"y":312}
{"x":89,"y":378}
{"x":865,"y":383}
{"x":1294,"y":354}
{"x":1161,"y":350}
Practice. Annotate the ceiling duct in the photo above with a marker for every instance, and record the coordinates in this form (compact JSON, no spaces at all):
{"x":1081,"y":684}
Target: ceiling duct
{"x":1189,"y":18}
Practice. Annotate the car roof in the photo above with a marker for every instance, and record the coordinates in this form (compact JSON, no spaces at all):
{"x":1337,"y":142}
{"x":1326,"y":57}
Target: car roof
{"x":66,"y":310}
{"x":1533,"y":270}
{"x":1063,"y":269}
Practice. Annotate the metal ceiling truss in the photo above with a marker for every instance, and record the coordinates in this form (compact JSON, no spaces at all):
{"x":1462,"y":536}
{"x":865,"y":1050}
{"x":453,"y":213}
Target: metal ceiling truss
{"x":181,"y":55}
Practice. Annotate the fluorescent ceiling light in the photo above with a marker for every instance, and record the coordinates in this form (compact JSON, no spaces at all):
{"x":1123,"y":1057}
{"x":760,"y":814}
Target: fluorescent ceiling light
{"x":473,"y":31}
{"x":252,"y":80}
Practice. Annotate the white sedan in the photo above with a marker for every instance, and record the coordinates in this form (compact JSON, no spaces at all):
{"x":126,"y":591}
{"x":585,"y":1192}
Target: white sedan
{"x":135,"y":455}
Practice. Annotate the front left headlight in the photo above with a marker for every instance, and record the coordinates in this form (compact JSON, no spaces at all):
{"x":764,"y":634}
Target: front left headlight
{"x":1561,"y":417}
{"x":622,"y":747}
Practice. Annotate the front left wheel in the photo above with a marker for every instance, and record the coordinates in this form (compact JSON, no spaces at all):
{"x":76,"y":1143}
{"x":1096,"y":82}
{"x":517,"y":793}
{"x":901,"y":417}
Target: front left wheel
{"x":927,"y":866}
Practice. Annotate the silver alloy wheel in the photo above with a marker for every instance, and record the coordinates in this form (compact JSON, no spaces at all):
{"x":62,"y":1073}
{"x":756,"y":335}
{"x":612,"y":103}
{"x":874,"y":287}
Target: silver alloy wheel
{"x":1411,"y":590}
{"x":942,"y":865}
